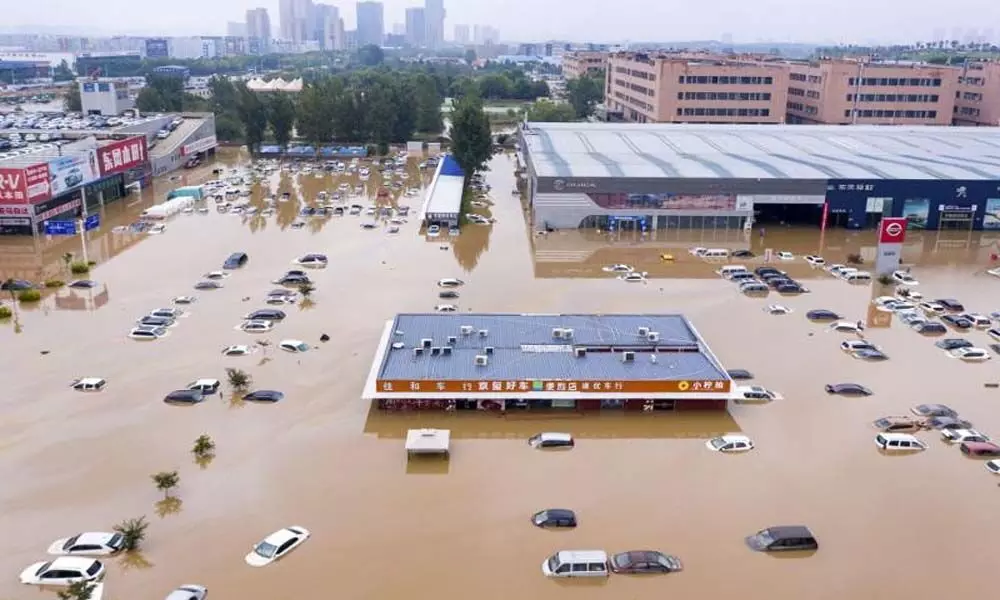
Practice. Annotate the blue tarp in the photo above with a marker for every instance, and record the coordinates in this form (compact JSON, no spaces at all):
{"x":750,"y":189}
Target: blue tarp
{"x":450,"y":167}
{"x":325,"y":151}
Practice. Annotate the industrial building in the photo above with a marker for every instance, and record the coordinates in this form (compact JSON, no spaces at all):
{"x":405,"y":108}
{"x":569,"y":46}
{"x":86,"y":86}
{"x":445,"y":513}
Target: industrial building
{"x":574,"y":362}
{"x":623,"y":176}
{"x":443,"y":199}
{"x":578,"y":64}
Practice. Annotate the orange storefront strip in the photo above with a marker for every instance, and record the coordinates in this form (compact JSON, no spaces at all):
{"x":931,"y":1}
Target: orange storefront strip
{"x":535,"y":386}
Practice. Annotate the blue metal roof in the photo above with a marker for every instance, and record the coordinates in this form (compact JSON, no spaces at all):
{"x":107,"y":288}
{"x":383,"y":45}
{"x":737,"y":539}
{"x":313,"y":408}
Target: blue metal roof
{"x":450,"y":166}
{"x":524,"y":348}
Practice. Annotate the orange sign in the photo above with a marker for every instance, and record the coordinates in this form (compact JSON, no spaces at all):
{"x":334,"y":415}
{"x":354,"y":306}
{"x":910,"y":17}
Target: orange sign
{"x":536,"y":386}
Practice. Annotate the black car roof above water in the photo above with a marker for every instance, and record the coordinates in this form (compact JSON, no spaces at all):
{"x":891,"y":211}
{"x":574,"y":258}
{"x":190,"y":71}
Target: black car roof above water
{"x":789,"y":531}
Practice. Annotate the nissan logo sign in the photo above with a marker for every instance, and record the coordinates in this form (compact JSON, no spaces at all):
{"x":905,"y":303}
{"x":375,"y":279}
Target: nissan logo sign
{"x":893,"y":229}
{"x":559,"y":185}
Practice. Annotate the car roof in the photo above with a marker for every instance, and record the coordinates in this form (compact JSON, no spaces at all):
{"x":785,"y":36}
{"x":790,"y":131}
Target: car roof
{"x":558,"y":513}
{"x":552,"y":435}
{"x":790,"y":531}
{"x":90,"y":380}
{"x":568,"y":556}
{"x":72,"y":562}
{"x":734,"y":437}
{"x":898,"y":436}
{"x":281,"y":536}
{"x":94,"y":537}
{"x":980,"y":445}
{"x":293,"y":342}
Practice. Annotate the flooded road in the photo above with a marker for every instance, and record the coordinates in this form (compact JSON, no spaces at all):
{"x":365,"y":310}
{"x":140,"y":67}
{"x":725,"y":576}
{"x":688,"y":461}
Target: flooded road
{"x":323,"y":459}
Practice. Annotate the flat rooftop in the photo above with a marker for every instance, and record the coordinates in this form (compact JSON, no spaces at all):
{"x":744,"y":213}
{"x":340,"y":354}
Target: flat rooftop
{"x":722,"y":151}
{"x":445,"y":193}
{"x":525,"y":348}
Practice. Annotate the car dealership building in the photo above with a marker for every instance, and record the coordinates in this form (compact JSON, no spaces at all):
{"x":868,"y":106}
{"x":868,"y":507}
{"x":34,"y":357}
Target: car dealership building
{"x":623,"y":176}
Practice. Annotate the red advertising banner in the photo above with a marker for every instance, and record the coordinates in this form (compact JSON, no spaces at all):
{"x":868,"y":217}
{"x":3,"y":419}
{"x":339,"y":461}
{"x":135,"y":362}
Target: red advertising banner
{"x":24,"y":185}
{"x":122,"y":155}
{"x":892,"y":230}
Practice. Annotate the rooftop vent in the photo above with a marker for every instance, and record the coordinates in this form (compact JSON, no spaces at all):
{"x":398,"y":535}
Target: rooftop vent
{"x":446,"y":351}
{"x":484,"y":332}
{"x":452,"y":339}
{"x":466,"y":329}
{"x":652,"y":358}
{"x":398,"y":345}
{"x":488,"y":349}
{"x":557,"y":333}
{"x":435,"y":351}
{"x":653,"y":336}
{"x":568,"y":334}
{"x":628,"y":356}
{"x":481,"y":360}
{"x":426,"y":342}
{"x":644,"y":331}
{"x":580,"y":352}
{"x":417,"y":352}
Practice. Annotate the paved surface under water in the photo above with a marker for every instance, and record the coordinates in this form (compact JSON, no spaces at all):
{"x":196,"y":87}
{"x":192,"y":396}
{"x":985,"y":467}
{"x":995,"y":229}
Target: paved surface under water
{"x":912,"y":526}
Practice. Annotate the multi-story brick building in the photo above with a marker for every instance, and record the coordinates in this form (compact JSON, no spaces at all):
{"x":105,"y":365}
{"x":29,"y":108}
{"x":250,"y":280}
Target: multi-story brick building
{"x":977,"y":99}
{"x":695,"y":88}
{"x":578,"y":64}
{"x":847,"y":92}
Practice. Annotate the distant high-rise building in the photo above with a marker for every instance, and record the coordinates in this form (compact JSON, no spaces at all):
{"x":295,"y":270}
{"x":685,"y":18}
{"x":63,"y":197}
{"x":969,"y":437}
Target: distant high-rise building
{"x":297,"y":20}
{"x":484,"y":35}
{"x":371,"y":28}
{"x":328,"y":28}
{"x":462,"y":34}
{"x":398,"y":29}
{"x":258,"y":31}
{"x":434,"y":18}
{"x":416,"y":27}
{"x":236,"y":29}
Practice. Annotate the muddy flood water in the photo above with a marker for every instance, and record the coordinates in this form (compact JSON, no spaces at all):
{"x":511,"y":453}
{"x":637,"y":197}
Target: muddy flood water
{"x":915,"y":526}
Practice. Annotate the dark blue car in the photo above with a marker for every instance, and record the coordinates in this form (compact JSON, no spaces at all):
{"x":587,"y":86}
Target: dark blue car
{"x":235,"y":260}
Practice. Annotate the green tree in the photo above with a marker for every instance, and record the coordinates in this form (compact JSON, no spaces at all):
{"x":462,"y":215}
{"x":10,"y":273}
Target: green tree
{"x":281,"y":118}
{"x":63,"y":72}
{"x":78,"y":590}
{"x":370,"y":55}
{"x":238,"y":379}
{"x":428,"y":105}
{"x":149,"y":100}
{"x":472,"y":144}
{"x":548,"y":111}
{"x":72,"y":98}
{"x":203,"y":446}
{"x":470,"y":56}
{"x":584,"y":93}
{"x":166,"y":481}
{"x":133,"y":532}
{"x":314,"y":114}
{"x":402,"y":92}
{"x":253,"y":115}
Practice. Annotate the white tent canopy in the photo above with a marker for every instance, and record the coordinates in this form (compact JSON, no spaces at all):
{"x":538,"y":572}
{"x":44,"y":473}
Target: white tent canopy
{"x":275,"y":85}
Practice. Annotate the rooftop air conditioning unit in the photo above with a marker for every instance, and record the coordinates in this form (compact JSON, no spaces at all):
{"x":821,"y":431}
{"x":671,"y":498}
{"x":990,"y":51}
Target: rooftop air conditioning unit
{"x":417,"y":352}
{"x":644,"y":331}
{"x":557,"y":333}
{"x":426,"y":342}
{"x":488,"y":350}
{"x":580,"y":352}
{"x":568,"y":334}
{"x":481,"y":360}
{"x":452,"y":339}
{"x":466,"y":329}
{"x":652,"y":358}
{"x":446,"y":351}
{"x":628,"y":356}
{"x":484,"y":332}
{"x":653,"y":336}
{"x":435,"y":351}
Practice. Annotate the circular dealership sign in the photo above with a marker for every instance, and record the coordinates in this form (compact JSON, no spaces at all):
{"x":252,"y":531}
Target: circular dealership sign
{"x":893,"y":230}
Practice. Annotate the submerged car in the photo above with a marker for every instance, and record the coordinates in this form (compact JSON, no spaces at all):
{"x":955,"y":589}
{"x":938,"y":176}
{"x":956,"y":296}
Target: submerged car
{"x":933,"y":410}
{"x":293,"y":346}
{"x":65,"y":570}
{"x":644,"y":562}
{"x":237,"y":350}
{"x":269,"y":396}
{"x":899,"y":442}
{"x":730,"y":443}
{"x":551,"y":440}
{"x":554,"y":517}
{"x":821,"y":314}
{"x":184,"y":397}
{"x":450,"y":282}
{"x":208,"y":284}
{"x":276,"y":545}
{"x":92,"y":543}
{"x":847,"y":389}
{"x":899,"y":424}
{"x":783,"y":538}
{"x":312,"y":260}
{"x":188,"y":591}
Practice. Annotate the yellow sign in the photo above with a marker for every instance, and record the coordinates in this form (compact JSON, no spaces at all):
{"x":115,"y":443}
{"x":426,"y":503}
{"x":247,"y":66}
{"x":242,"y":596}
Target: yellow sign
{"x":683,"y":386}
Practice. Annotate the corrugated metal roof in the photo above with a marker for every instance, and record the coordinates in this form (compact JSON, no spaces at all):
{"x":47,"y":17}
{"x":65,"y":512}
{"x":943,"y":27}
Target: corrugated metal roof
{"x":444,"y":196}
{"x":634,"y":150}
{"x":524,"y":348}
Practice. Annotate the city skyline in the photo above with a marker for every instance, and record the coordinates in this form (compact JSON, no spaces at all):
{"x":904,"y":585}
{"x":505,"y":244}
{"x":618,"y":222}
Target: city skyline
{"x":855,"y":21}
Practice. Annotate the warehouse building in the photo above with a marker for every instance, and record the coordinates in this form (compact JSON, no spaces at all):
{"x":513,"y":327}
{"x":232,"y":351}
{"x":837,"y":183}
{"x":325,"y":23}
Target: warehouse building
{"x":443,"y":199}
{"x":623,"y":176}
{"x":442,"y":361}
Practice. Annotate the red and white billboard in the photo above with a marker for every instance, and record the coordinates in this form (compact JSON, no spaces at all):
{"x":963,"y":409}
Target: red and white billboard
{"x":892,"y":230}
{"x":120,"y":156}
{"x":24,"y":185}
{"x":200,"y":145}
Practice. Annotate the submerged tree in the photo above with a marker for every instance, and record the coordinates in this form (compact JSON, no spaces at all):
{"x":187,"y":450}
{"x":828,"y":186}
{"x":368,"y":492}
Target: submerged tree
{"x":166,"y":481}
{"x":203,"y":446}
{"x":133,"y":532}
{"x":78,"y":590}
{"x":238,"y":379}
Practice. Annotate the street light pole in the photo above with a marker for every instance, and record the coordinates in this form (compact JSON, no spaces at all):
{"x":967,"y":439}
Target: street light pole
{"x":80,"y":225}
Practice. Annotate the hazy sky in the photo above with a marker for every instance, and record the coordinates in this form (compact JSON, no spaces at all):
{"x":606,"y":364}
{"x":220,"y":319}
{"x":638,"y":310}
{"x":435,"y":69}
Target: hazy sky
{"x":524,"y":20}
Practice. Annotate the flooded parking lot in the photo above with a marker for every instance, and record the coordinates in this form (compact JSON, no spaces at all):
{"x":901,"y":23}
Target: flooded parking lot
{"x":888,"y":526}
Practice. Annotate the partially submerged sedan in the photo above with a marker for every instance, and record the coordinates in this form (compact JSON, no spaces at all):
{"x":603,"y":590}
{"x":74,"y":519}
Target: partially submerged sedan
{"x":65,"y":570}
{"x":644,"y":562}
{"x":91,"y":543}
{"x":730,"y":443}
{"x":276,"y":545}
{"x":899,"y":424}
{"x":554,"y":517}
{"x":551,"y":440}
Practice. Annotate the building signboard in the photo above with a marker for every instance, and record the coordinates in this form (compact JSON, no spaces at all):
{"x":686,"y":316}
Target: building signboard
{"x":15,"y":210}
{"x":200,"y":146}
{"x":72,"y":171}
{"x":536,"y":386}
{"x":121,"y":156}
{"x":58,"y":210}
{"x":24,"y":185}
{"x":891,"y":235}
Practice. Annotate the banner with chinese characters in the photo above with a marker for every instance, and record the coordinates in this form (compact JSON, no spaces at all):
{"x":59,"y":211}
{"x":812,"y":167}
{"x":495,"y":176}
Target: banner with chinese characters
{"x":120,"y":156}
{"x":25,"y":185}
{"x":536,"y":386}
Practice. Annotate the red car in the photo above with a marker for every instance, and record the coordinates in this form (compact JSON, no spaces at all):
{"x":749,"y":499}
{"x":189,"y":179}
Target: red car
{"x":980,"y":449}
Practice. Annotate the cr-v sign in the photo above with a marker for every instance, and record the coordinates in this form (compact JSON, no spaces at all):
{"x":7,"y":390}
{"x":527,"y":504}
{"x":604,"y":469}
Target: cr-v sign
{"x":12,"y":188}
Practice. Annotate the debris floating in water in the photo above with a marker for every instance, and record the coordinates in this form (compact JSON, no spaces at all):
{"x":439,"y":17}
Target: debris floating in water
{"x":324,"y":338}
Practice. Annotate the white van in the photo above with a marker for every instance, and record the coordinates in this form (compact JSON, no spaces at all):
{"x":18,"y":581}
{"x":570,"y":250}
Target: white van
{"x":576,"y":563}
{"x":858,"y":277}
{"x":715,"y":253}
{"x":727,"y":271}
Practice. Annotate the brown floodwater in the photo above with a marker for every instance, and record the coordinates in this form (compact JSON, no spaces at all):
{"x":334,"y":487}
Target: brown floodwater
{"x":912,"y":526}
